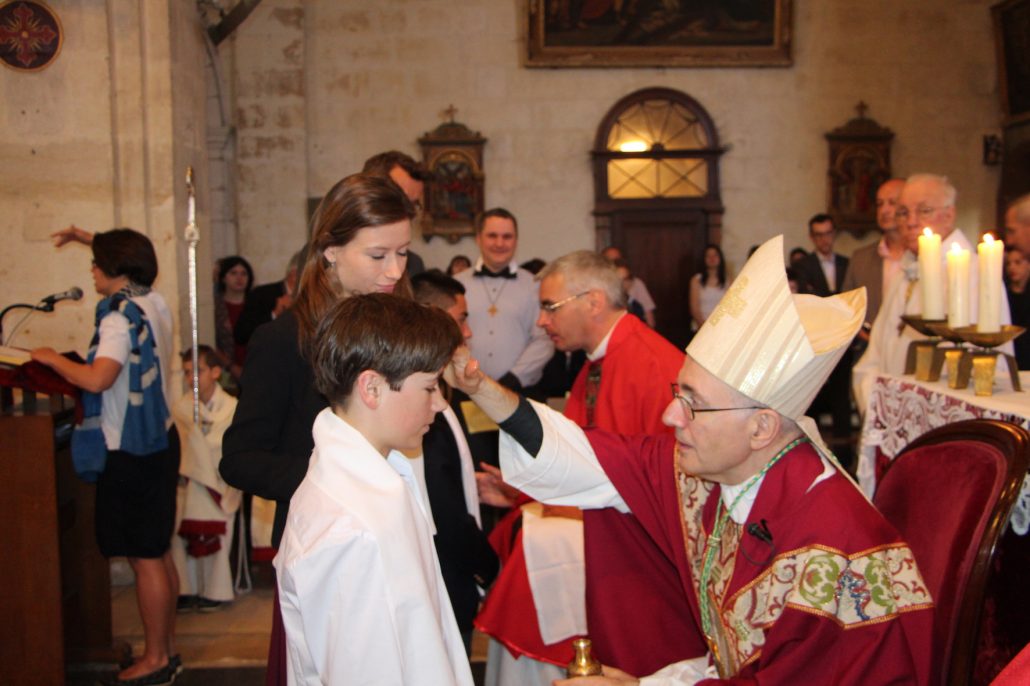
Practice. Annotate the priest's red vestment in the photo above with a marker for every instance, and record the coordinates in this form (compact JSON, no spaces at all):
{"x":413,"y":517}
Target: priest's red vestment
{"x":633,"y":596}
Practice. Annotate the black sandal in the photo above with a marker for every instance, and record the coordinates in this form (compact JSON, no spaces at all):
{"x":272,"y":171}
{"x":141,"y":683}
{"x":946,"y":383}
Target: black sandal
{"x":175,"y":661}
{"x":159,"y":677}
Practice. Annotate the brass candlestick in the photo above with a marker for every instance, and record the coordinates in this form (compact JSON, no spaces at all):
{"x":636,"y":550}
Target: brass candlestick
{"x":958,"y":363}
{"x":984,"y":361}
{"x":984,"y":364}
{"x":957,"y":360}
{"x":923,"y":358}
{"x":921,"y":325}
{"x":584,"y":663}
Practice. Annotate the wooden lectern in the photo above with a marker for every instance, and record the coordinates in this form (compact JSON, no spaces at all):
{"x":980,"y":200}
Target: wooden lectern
{"x":55,"y":607}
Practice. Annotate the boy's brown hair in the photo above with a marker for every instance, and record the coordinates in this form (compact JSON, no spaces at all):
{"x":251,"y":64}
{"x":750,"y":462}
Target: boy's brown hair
{"x":392,"y":336}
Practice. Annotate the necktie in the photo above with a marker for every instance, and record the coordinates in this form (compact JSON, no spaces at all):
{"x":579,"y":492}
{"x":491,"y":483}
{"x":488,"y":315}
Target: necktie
{"x":593,"y":387}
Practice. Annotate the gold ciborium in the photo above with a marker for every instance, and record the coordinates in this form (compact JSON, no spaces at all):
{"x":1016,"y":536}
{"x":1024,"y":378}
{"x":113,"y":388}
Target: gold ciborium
{"x":984,"y":360}
{"x":584,"y":663}
{"x":923,"y":358}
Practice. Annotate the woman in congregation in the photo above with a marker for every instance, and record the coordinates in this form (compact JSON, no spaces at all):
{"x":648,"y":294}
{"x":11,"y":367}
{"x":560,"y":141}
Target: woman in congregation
{"x":458,"y":264}
{"x":707,"y":286}
{"x":359,"y":244}
{"x":235,"y":278}
{"x":131,"y":450}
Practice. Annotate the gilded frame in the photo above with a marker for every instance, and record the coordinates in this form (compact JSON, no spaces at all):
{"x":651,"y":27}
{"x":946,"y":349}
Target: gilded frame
{"x":618,"y":38}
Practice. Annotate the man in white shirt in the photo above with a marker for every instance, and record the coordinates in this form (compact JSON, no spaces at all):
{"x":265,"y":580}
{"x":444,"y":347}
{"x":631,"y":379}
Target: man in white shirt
{"x":822,"y":270}
{"x":927,"y":201}
{"x":502,"y":304}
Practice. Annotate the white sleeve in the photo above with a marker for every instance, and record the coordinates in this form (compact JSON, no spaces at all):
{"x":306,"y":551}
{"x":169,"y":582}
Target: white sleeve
{"x":565,"y":470}
{"x":114,"y":338}
{"x":685,"y":673}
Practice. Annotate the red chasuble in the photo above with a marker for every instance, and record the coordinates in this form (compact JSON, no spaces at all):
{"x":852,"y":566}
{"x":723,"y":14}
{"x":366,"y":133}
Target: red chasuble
{"x":634,"y":599}
{"x":834,"y":595}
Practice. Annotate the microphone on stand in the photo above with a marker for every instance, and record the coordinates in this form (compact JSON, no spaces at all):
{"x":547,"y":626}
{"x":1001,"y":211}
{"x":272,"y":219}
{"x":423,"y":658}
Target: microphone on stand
{"x":44,"y":305}
{"x":73,"y":293}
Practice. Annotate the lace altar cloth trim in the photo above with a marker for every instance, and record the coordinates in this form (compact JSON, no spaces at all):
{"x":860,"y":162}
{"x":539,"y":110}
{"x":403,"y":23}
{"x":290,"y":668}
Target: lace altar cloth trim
{"x":901,"y":410}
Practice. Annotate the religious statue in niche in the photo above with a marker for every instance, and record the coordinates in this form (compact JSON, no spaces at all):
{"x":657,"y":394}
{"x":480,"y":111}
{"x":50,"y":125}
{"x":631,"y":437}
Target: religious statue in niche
{"x":453,"y":153}
{"x":859,"y":162}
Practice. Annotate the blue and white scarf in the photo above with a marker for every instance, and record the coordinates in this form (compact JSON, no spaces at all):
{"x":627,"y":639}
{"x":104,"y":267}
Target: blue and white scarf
{"x":144,"y":430}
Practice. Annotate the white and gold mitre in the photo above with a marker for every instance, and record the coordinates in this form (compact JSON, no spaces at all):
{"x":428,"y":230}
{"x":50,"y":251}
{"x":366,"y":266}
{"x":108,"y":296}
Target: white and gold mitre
{"x":775,"y":347}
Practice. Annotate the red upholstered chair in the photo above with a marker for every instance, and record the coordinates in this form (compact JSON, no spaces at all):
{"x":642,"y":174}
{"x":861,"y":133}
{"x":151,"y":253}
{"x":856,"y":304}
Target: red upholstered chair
{"x":1017,"y":672}
{"x":950,"y":494}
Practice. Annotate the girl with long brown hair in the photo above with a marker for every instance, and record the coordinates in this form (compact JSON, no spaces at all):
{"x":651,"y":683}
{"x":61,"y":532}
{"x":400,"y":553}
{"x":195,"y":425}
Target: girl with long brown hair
{"x":359,"y":244}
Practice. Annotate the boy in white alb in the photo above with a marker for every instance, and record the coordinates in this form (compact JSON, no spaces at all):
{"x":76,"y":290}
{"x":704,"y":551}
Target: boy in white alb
{"x":362,"y":597}
{"x":206,"y":512}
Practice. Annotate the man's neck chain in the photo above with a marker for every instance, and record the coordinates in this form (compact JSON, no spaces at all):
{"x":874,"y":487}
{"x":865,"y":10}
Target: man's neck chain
{"x":492,"y":310}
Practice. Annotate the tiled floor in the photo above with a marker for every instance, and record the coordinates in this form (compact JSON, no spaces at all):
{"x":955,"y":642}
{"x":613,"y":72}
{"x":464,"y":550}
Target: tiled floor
{"x":234,"y":636}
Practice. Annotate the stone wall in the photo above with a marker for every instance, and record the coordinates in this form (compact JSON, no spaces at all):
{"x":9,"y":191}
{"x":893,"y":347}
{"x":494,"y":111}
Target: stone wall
{"x":367,"y":76}
{"x":268,"y":80}
{"x":101,"y":138}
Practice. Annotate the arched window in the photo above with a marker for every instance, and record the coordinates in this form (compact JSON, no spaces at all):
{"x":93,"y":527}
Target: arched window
{"x":664,"y":129}
{"x":656,"y":193}
{"x":657,"y":143}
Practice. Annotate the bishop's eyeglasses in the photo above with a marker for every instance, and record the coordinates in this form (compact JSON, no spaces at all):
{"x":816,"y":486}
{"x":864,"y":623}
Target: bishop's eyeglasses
{"x":692,"y":411}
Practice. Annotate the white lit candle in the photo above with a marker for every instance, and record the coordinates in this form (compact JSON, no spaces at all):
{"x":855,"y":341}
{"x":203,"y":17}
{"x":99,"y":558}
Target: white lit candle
{"x":991,"y":255}
{"x":930,"y":275}
{"x":958,"y":286}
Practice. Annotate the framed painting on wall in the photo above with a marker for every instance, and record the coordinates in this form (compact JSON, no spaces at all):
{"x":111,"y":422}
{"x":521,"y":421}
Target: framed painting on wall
{"x":658,"y":33}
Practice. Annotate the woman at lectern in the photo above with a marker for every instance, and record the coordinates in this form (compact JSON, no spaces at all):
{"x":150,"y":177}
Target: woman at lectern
{"x":126,"y":442}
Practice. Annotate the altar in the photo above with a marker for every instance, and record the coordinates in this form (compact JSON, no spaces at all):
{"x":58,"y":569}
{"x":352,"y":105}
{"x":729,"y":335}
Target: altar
{"x":901,"y":409}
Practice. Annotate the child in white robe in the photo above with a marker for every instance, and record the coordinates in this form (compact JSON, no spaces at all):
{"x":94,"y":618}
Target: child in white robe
{"x":362,"y":597}
{"x":207,"y":506}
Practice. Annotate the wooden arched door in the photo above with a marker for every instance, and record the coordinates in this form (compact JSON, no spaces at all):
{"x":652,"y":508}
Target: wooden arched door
{"x":656,"y":194}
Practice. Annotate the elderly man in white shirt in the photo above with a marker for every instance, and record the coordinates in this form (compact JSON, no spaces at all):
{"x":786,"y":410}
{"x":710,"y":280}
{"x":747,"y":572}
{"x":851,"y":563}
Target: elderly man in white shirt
{"x":927,"y":201}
